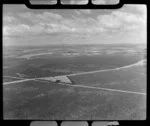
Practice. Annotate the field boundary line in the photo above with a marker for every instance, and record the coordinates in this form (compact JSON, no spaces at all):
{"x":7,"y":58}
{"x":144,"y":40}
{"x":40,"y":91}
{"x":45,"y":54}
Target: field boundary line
{"x":82,"y":73}
{"x":108,"y":89}
{"x":18,"y":81}
{"x":82,"y":86}
{"x":97,"y":71}
{"x":98,"y":88}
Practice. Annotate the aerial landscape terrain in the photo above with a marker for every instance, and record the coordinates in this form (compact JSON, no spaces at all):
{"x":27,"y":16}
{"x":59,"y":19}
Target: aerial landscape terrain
{"x":58,"y":81}
{"x":74,"y":64}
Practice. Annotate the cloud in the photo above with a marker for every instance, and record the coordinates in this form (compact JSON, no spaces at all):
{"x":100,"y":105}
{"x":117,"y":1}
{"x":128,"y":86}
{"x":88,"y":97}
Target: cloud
{"x":6,"y":31}
{"x":26,"y":15}
{"x":16,"y":30}
{"x":109,"y":21}
{"x":35,"y":23}
{"x":128,"y":17}
{"x":48,"y":22}
{"x":83,"y":11}
{"x":83,"y":25}
{"x":8,"y":19}
{"x":37,"y":29}
{"x":78,"y":12}
{"x":45,"y":16}
{"x":49,"y":15}
{"x":141,"y":8}
{"x":135,"y":8}
{"x":122,"y":20}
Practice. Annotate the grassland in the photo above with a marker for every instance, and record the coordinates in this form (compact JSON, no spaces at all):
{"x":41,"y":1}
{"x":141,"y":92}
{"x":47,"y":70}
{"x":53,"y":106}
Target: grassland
{"x":37,"y":100}
{"x":131,"y":79}
{"x":47,"y":100}
{"x":9,"y":79}
{"x":55,"y":63}
{"x":54,"y":66}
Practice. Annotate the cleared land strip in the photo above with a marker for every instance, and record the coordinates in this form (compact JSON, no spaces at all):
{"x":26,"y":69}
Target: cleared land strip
{"x":96,"y":71}
{"x":99,"y":88}
{"x":18,"y":81}
{"x":90,"y":72}
{"x":81,"y":86}
{"x":107,"y":89}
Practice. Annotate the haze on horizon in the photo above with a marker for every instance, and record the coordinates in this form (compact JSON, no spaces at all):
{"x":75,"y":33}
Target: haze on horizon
{"x":23,"y":26}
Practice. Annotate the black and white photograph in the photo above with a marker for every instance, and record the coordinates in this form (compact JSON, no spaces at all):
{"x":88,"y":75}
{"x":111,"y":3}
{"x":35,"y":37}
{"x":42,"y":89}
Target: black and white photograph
{"x":74,"y":64}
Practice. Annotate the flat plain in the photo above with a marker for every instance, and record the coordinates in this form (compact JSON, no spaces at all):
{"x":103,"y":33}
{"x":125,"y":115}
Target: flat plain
{"x":89,"y":96}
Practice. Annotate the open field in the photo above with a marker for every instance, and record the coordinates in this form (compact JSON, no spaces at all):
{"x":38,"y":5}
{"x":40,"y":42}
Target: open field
{"x":132,"y":79}
{"x":37,"y":100}
{"x":9,"y":79}
{"x":54,"y":61}
{"x":107,"y":95}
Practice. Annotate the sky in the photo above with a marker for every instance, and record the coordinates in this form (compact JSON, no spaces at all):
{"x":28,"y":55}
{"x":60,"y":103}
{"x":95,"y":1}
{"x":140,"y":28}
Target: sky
{"x":24,"y":26}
